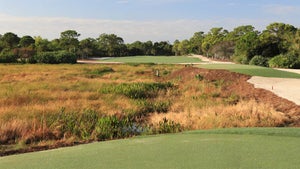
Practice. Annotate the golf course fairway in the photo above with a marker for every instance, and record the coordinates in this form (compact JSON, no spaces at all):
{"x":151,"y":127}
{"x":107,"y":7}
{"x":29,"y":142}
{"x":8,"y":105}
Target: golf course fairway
{"x":267,"y":148}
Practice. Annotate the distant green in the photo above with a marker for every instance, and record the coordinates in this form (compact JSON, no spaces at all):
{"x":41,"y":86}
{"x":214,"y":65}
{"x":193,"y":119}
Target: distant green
{"x":153,"y":59}
{"x":252,"y":70}
{"x":253,"y":148}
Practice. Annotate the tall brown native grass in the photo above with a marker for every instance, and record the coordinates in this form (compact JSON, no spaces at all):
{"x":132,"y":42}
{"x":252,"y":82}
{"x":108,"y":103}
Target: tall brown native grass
{"x":30,"y":94}
{"x":27,"y":90}
{"x":243,"y":114}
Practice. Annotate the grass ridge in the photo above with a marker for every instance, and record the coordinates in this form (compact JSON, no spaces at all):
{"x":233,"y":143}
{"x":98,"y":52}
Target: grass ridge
{"x":286,"y":132}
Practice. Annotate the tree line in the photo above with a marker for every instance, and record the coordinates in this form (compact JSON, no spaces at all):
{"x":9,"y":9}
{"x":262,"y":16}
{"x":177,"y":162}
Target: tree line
{"x":276,"y":46}
{"x":68,"y":48}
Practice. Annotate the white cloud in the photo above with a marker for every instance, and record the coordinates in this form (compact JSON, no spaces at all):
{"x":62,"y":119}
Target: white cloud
{"x":130,"y":30}
{"x":281,"y":9}
{"x":122,"y":2}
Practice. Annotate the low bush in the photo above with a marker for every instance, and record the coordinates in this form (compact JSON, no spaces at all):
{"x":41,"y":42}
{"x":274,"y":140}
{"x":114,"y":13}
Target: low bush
{"x":232,"y":99}
{"x":90,"y":125}
{"x":8,"y":57}
{"x":45,"y":57}
{"x":199,"y":77}
{"x":111,"y":127}
{"x":168,"y":126}
{"x":285,"y":61}
{"x":68,"y":124}
{"x":146,"y":107}
{"x":259,"y":61}
{"x":240,"y":59}
{"x":56,"y":57}
{"x":65,"y":57}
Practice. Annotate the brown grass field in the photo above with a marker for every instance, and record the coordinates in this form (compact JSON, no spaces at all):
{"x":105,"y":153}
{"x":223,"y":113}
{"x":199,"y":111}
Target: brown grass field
{"x":31,"y":95}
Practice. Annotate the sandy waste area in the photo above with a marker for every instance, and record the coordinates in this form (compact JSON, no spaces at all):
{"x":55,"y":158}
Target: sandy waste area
{"x":283,"y":87}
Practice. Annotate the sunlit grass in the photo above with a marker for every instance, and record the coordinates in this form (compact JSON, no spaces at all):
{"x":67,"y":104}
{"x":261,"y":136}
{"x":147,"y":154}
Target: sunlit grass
{"x":269,"y":148}
{"x":153,"y":59}
{"x":252,"y":70}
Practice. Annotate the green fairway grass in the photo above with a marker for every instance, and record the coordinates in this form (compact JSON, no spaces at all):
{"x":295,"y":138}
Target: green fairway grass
{"x":252,"y":70}
{"x":267,"y":148}
{"x":153,"y":59}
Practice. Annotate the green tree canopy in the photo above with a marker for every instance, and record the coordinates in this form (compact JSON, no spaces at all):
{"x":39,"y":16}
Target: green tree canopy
{"x":87,"y":47}
{"x":214,"y":36}
{"x":41,"y":44}
{"x":69,"y":40}
{"x":27,"y":41}
{"x":111,"y":45}
{"x":196,"y":42}
{"x":10,"y":40}
{"x":277,"y":38}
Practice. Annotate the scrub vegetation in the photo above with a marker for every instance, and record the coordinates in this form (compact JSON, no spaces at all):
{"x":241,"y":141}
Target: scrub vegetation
{"x":49,"y":106}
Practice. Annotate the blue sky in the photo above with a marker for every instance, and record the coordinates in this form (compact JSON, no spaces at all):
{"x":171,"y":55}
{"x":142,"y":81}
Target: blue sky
{"x":141,"y":19}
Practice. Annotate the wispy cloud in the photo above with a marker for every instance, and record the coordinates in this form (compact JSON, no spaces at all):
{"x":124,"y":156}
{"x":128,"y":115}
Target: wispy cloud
{"x":122,"y":2}
{"x":277,"y":9}
{"x":130,"y":30}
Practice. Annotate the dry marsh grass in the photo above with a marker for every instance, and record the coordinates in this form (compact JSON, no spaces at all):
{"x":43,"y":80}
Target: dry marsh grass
{"x":243,"y":114}
{"x":38,"y":101}
{"x":26,"y":89}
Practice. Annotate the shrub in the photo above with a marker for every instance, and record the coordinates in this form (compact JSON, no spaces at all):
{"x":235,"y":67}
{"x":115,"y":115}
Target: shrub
{"x":65,"y":57}
{"x":232,"y":99}
{"x":285,"y":61}
{"x":7,"y":57}
{"x":90,"y":125}
{"x":168,"y":126}
{"x":56,"y":57}
{"x":67,"y":124}
{"x":199,"y":77}
{"x":259,"y":60}
{"x":111,"y":127}
{"x":45,"y":57}
{"x":146,"y":107}
{"x":240,"y":59}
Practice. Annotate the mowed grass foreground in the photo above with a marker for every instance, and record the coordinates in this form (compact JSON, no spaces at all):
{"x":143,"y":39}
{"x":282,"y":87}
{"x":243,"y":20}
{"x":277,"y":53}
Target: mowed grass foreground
{"x":154,"y":59}
{"x":268,"y":148}
{"x":252,"y":70}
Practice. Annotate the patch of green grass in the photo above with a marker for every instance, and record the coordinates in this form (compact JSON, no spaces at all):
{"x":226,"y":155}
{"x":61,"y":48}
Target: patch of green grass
{"x":136,"y":90}
{"x":154,"y":59}
{"x":98,"y":72}
{"x":252,"y":70}
{"x":287,"y":132}
{"x":268,"y":148}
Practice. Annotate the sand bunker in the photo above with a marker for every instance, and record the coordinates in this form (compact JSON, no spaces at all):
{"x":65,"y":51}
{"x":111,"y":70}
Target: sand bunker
{"x":283,"y":87}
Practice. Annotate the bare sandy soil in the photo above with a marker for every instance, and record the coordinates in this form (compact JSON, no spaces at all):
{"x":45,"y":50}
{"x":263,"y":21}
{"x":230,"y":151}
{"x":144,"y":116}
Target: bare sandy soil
{"x":210,"y":61}
{"x":285,"y":88}
{"x":291,"y":70}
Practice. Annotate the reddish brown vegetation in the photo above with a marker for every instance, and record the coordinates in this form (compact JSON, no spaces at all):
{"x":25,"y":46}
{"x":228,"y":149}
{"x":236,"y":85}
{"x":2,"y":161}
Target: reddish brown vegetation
{"x":237,"y":83}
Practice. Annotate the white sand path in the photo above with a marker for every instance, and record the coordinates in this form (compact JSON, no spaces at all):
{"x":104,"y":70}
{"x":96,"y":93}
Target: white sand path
{"x":210,"y":61}
{"x":283,"y":87}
